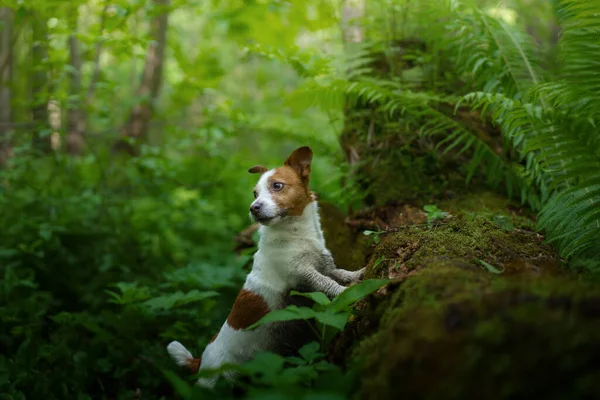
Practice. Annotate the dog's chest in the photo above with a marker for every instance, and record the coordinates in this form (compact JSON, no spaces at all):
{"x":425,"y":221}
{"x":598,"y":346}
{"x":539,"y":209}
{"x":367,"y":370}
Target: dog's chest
{"x":277,"y":266}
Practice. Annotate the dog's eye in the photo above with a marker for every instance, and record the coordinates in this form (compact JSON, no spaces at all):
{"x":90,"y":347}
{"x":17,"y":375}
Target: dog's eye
{"x":255,"y":194}
{"x":277,"y":186}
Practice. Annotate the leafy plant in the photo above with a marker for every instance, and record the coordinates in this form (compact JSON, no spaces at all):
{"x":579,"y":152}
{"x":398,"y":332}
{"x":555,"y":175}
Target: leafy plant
{"x":375,"y":234}
{"x":271,"y":375}
{"x":549,"y":151}
{"x":434,"y":213}
{"x":490,"y":267}
{"x":327,"y":313}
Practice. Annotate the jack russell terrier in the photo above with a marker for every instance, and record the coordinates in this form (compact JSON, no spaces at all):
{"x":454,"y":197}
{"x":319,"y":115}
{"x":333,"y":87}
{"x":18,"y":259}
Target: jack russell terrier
{"x":291,"y":256}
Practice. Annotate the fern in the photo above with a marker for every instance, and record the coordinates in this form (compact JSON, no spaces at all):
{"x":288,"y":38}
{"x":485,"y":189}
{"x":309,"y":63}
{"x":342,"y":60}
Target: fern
{"x":556,"y":134}
{"x":550,"y":154}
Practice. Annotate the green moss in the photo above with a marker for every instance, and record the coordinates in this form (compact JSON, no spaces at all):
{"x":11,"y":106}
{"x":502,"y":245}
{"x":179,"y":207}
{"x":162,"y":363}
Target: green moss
{"x":481,"y":201}
{"x":506,"y":213}
{"x":403,"y":171}
{"x":454,"y":334}
{"x":448,"y":328}
{"x":462,"y":243}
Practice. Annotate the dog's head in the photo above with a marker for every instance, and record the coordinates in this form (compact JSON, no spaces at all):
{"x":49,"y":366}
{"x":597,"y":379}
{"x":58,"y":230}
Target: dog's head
{"x":283,"y":191}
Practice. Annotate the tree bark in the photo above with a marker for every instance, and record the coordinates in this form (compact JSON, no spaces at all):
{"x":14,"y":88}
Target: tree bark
{"x":98,"y":52}
{"x":352,"y":11}
{"x":5,"y":79}
{"x":39,"y":86}
{"x":352,"y":33}
{"x":76,"y":115}
{"x":137,"y":126}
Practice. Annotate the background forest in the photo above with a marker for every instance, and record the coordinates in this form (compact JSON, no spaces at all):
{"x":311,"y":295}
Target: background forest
{"x":127,"y":128}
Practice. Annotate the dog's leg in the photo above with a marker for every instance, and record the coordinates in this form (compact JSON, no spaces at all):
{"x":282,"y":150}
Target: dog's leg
{"x":341,"y":276}
{"x":313,"y":281}
{"x":345,"y":277}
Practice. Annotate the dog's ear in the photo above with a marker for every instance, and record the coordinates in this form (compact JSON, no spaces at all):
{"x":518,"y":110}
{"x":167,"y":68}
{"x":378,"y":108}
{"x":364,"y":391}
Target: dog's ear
{"x":258,"y":169}
{"x":300,"y":160}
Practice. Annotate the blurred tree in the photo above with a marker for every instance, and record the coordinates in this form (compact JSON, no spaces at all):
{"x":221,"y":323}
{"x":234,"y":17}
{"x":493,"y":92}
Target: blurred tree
{"x":138,"y":124}
{"x":6,"y":61}
{"x":76,"y":116}
{"x":352,"y":12}
{"x":39,"y":83}
{"x":97,"y":52}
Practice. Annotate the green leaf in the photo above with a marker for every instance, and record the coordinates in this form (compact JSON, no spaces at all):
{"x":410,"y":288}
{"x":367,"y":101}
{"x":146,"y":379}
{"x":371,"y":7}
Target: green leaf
{"x":310,"y":351}
{"x":177,"y":299}
{"x":317,"y":297}
{"x":290,"y":313}
{"x":490,"y":267}
{"x":6,"y":253}
{"x":430,"y":208}
{"x":357,"y":292}
{"x":183,"y":388}
{"x":333,"y":318}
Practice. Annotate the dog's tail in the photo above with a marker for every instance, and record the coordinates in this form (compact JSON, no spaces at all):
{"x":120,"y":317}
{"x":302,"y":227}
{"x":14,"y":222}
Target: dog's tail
{"x":183,"y":357}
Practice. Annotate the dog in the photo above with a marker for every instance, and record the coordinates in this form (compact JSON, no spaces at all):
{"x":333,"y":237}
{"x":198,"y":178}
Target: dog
{"x":291,"y":255}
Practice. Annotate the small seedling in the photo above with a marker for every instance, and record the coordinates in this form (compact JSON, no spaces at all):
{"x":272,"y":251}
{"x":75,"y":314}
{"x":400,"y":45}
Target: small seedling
{"x":375,"y":235}
{"x":490,"y":267}
{"x":434,"y":213}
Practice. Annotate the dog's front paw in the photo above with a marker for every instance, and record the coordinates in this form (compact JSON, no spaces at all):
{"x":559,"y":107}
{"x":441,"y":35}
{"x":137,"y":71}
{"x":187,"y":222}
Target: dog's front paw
{"x":337,"y":291}
{"x":361,"y":273}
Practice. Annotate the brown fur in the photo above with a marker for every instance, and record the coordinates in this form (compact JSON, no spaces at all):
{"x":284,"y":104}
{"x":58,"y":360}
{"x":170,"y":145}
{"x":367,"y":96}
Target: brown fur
{"x":248,"y":308}
{"x":193,"y":364}
{"x":258,"y":169}
{"x":300,"y":161}
{"x":295,"y":194}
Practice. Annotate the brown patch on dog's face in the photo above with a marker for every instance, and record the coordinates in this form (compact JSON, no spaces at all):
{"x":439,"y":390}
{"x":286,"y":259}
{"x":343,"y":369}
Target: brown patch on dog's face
{"x":294,"y":194}
{"x":248,"y":309}
{"x":258,"y":169}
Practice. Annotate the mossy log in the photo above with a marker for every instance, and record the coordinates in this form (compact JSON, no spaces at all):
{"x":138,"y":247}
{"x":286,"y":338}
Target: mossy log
{"x":478,"y":308}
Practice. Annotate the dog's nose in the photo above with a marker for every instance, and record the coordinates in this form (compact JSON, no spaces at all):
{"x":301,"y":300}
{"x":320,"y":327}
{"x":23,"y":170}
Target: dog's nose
{"x":254,"y":208}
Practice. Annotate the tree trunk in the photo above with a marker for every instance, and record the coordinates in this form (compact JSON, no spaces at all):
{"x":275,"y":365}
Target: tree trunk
{"x":39,"y":87}
{"x":76,"y":115}
{"x":98,"y":52}
{"x":352,"y":33}
{"x":352,"y":12}
{"x":136,"y":128}
{"x":5,"y":81}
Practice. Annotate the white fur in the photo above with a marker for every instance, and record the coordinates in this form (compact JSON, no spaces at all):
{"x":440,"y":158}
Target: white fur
{"x":179,"y":353}
{"x":269,"y":208}
{"x":291,"y":254}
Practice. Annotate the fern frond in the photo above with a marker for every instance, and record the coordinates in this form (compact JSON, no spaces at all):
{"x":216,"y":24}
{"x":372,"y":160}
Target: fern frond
{"x":580,"y":44}
{"x":568,"y":168}
{"x":500,"y":58}
{"x":576,"y":92}
{"x":549,"y":126}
